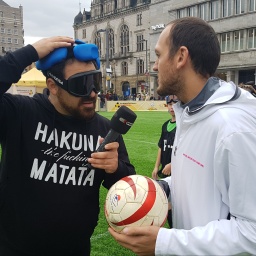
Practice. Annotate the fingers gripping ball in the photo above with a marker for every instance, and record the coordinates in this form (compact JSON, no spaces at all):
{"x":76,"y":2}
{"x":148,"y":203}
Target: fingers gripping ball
{"x":136,"y":201}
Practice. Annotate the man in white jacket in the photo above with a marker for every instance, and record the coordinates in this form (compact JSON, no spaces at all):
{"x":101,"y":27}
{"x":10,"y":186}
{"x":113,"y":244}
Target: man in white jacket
{"x":213,"y":182}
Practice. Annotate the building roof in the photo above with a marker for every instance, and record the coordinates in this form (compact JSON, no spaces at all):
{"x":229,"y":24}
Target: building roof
{"x":78,"y":19}
{"x":3,"y":3}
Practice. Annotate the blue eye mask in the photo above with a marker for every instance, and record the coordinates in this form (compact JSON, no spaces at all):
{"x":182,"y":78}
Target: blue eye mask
{"x":81,"y":51}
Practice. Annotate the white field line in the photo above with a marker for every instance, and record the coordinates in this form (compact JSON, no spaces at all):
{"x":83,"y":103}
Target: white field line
{"x":141,"y":141}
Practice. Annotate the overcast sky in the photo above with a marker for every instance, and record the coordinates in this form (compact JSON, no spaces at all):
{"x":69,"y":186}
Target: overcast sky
{"x":44,"y":18}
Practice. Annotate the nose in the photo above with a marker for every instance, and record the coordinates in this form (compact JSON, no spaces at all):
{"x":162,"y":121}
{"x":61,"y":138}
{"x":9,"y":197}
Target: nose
{"x":93,"y":93}
{"x":155,"y":66}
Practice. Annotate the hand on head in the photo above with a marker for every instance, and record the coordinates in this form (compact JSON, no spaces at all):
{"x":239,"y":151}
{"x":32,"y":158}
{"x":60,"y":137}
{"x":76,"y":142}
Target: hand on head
{"x":47,"y":45}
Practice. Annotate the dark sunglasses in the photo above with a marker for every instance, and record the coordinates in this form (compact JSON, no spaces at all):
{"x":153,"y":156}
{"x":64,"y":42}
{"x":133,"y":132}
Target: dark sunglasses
{"x":81,"y":84}
{"x":169,"y":100}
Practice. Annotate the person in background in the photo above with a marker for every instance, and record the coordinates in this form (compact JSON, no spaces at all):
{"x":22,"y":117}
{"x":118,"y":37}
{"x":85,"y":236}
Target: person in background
{"x":102,"y":99}
{"x":213,"y":163}
{"x":138,"y":97}
{"x":49,"y":195}
{"x":249,"y":88}
{"x":152,"y":97}
{"x":115,"y":97}
{"x":147,"y":97}
{"x":107,"y":96}
{"x":162,"y":167}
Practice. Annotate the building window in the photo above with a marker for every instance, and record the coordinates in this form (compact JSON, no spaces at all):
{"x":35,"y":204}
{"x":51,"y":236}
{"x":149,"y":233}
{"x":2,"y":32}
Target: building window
{"x":251,"y":38}
{"x":252,"y":5}
{"x":240,"y":6}
{"x":203,"y":11}
{"x":215,"y":10}
{"x":226,"y":8}
{"x":16,"y":32}
{"x":140,"y":67}
{"x":3,"y":40}
{"x":9,"y":31}
{"x":101,"y":9}
{"x":139,"y":19}
{"x":1,"y":14}
{"x":182,"y":13}
{"x":124,"y":68}
{"x":97,"y":41}
{"x":2,"y":30}
{"x":111,"y":37}
{"x":192,"y":11}
{"x":9,"y":40}
{"x":124,"y":42}
{"x":84,"y":33}
{"x":140,"y":43}
{"x":108,"y":8}
{"x":225,"y":42}
{"x":239,"y":40}
{"x":15,"y":41}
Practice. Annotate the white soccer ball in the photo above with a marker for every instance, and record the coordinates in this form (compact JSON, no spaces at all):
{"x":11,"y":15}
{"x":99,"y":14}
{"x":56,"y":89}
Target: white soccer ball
{"x":136,"y":200}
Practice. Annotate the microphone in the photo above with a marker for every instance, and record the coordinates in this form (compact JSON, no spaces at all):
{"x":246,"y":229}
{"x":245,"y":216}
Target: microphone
{"x":120,"y":123}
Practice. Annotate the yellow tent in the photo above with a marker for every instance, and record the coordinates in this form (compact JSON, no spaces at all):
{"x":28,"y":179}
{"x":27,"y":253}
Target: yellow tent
{"x":33,"y":77}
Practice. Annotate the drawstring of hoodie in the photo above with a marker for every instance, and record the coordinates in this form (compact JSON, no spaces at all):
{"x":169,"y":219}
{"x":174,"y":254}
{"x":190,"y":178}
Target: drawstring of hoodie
{"x":53,"y":140}
{"x":46,"y":94}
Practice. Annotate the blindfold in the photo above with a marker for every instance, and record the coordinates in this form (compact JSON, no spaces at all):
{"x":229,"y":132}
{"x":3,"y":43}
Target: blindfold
{"x":81,"y":51}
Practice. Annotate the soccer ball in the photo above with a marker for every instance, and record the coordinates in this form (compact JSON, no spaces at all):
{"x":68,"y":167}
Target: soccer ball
{"x":136,"y":200}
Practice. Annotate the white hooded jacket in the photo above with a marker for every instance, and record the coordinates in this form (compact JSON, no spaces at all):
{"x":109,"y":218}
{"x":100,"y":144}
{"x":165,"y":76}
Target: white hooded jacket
{"x":213,"y":174}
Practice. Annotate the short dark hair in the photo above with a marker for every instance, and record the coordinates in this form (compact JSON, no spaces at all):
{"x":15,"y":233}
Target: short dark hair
{"x":58,"y":69}
{"x":201,"y":41}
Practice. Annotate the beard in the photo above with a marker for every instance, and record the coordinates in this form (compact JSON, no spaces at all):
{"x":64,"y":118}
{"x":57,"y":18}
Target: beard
{"x":169,"y":85}
{"x":80,"y":111}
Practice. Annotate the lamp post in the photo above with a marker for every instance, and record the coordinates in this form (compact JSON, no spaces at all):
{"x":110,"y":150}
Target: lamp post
{"x":146,"y":41}
{"x":137,"y":72}
{"x":108,"y":71}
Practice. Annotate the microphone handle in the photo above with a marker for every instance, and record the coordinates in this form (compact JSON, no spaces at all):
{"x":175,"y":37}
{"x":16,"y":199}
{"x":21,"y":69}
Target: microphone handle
{"x":110,"y":137}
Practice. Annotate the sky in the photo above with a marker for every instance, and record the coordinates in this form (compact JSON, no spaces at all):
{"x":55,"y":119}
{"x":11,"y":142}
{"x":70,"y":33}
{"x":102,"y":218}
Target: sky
{"x":47,"y":18}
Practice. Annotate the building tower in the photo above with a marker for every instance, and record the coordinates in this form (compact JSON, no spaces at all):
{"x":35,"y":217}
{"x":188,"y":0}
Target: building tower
{"x":120,"y":28}
{"x":11,"y":24}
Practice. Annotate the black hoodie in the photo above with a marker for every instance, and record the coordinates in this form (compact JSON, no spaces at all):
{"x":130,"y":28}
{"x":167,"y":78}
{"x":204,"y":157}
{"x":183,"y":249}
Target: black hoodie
{"x":49,"y":201}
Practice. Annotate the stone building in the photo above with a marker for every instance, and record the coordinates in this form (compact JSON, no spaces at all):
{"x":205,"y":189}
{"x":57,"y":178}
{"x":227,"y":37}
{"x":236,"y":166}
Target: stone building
{"x":234,"y":22}
{"x":126,"y":32}
{"x":122,"y":28}
{"x":11,"y":25}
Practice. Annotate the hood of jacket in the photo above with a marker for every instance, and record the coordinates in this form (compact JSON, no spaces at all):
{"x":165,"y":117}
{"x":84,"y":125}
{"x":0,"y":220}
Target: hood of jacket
{"x":42,"y":99}
{"x":225,"y":96}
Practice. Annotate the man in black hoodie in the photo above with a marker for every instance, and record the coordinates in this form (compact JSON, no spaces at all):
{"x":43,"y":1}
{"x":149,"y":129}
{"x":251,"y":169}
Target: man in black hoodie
{"x":49,"y":198}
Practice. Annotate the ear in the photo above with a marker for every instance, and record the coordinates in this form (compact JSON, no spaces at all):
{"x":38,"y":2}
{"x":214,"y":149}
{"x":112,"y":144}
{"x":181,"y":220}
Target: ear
{"x":182,"y":57}
{"x":53,"y":88}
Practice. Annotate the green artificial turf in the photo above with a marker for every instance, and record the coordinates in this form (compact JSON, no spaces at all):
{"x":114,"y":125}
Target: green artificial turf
{"x":141,"y":142}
